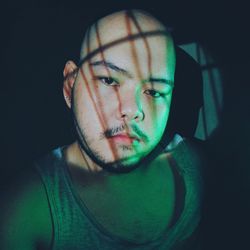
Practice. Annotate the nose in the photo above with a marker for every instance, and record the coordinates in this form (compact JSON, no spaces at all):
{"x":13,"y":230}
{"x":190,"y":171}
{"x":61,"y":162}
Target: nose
{"x":130,"y":108}
{"x":129,"y":115}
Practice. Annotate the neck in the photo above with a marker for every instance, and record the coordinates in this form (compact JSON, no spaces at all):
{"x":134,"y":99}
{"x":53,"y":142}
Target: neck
{"x":76,"y":156}
{"x":85,"y":172}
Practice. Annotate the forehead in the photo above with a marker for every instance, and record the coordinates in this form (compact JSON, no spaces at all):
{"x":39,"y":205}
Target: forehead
{"x":127,"y":22}
{"x":125,"y":35}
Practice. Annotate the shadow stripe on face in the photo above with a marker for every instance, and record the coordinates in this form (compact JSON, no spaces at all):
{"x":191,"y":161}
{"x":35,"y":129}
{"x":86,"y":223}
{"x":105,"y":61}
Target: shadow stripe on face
{"x":129,"y":38}
{"x":104,"y":123}
{"x":120,"y":41}
{"x":130,"y":15}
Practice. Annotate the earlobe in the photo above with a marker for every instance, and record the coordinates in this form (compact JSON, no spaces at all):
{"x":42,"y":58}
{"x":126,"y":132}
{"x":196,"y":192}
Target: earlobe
{"x":69,"y":73}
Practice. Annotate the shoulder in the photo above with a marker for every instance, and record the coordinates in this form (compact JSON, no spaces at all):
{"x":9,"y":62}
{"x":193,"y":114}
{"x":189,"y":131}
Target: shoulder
{"x":190,"y":153}
{"x":25,"y":213}
{"x":185,"y":154}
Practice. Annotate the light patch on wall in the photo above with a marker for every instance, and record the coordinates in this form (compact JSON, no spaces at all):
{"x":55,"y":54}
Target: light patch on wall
{"x":209,"y":115}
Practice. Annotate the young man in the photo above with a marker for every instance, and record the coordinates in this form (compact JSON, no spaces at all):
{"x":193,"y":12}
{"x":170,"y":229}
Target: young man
{"x":115,"y":187}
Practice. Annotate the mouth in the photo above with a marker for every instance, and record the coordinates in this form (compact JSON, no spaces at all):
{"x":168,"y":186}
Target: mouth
{"x":124,"y":138}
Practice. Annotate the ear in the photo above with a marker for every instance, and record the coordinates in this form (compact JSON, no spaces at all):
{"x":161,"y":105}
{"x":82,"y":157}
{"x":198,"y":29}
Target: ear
{"x":69,"y":73}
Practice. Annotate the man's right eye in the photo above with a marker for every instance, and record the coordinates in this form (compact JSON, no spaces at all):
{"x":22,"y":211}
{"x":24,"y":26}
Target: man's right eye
{"x":109,"y":81}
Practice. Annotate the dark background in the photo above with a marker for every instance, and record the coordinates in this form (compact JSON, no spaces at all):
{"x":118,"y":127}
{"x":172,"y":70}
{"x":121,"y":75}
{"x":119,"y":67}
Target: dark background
{"x":37,"y":40}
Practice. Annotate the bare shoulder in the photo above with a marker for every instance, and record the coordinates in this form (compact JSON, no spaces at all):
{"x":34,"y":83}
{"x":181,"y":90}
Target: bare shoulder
{"x":25,"y":214}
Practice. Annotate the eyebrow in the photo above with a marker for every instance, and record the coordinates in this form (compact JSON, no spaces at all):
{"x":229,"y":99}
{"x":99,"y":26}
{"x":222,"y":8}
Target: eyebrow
{"x":111,"y":66}
{"x":161,"y":80}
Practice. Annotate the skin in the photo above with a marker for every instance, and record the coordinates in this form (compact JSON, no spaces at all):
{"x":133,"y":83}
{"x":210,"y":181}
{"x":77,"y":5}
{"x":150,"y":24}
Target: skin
{"x":121,"y":96}
{"x":120,"y":116}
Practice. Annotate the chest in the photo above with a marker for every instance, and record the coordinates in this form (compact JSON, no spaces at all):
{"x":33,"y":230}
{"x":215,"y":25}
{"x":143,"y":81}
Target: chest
{"x":137,"y":209}
{"x":138,"y":217}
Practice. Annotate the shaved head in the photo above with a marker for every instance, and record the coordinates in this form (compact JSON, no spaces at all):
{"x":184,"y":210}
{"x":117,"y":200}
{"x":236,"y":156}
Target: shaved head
{"x":114,"y":27}
{"x":123,"y":88}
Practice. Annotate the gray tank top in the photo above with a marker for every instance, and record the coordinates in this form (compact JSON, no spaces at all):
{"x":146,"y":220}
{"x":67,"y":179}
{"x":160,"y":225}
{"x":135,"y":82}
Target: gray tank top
{"x":75,"y":228}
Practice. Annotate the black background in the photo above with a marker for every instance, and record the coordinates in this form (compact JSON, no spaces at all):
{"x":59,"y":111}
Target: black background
{"x":37,"y":40}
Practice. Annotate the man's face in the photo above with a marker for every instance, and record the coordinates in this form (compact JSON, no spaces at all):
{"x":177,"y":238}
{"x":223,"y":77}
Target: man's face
{"x":122,"y":94}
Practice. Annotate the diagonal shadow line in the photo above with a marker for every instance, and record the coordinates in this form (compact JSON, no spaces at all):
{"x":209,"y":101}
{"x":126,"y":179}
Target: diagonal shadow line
{"x":133,"y":51}
{"x":203,"y":116}
{"x":212,"y":84}
{"x":131,"y":15}
{"x":104,"y":121}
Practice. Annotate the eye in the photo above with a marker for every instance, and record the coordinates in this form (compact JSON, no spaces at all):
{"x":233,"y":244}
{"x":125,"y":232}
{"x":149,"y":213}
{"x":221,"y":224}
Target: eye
{"x":109,"y":81}
{"x":153,"y":93}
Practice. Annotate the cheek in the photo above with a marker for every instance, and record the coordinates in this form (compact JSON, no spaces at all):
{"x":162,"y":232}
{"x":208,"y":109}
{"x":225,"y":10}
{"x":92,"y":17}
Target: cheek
{"x":83,"y":101}
{"x":156,"y":116}
{"x":89,"y":108}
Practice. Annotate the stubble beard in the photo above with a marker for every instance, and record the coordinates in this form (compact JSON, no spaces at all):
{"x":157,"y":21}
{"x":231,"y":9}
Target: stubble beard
{"x":119,"y":166}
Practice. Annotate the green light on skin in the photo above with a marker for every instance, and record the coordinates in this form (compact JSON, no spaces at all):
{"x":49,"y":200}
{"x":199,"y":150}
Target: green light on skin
{"x":129,"y":197}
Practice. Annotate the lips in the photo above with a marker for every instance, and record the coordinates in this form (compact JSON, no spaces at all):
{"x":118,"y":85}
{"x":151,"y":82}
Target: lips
{"x":124,"y":137}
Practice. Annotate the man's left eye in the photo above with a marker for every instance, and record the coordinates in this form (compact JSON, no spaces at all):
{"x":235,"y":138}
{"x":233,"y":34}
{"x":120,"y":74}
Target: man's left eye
{"x":153,"y":93}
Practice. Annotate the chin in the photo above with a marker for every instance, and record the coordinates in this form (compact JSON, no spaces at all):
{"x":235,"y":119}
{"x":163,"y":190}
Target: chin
{"x":127,"y":162}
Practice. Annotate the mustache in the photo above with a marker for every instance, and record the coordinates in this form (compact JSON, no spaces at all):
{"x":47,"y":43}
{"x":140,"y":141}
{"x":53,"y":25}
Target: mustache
{"x":115,"y":130}
{"x":112,"y":131}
